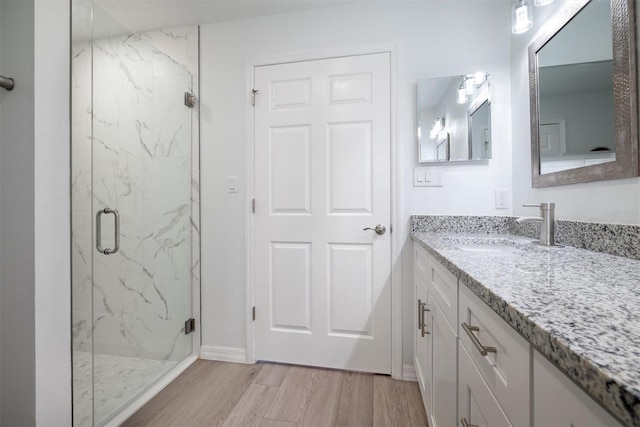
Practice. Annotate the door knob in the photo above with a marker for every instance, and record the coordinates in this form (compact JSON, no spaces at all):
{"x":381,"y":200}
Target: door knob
{"x":379,"y":229}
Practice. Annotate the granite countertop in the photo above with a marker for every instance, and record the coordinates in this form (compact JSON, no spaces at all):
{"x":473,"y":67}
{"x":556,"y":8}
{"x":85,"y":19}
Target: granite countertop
{"x":579,"y":308}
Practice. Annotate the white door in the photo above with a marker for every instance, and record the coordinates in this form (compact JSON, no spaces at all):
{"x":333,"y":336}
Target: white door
{"x":322,"y":175}
{"x":552,"y":137}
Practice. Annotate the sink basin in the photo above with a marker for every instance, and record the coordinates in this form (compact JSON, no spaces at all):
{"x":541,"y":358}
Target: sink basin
{"x":487,"y":248}
{"x":486,"y":244}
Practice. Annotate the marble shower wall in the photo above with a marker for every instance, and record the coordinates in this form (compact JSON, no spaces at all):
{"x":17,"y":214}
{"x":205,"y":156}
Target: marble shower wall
{"x":145,"y":164}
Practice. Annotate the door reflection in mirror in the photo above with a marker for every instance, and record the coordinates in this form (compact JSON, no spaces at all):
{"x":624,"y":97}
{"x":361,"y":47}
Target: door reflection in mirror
{"x":575,"y":92}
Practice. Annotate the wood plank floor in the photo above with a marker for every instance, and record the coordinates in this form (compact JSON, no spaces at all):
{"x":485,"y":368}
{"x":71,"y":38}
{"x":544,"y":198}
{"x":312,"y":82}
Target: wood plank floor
{"x":213,"y":393}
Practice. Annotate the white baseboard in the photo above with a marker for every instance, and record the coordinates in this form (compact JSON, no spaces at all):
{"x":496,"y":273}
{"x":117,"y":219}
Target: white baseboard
{"x":409,"y":373}
{"x":223,"y":354}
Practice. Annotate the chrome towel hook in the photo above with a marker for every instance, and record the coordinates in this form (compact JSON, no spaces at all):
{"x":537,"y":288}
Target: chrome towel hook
{"x":7,"y":83}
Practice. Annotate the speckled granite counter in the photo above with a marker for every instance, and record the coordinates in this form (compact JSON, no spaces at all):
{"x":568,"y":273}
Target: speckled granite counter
{"x":579,"y":308}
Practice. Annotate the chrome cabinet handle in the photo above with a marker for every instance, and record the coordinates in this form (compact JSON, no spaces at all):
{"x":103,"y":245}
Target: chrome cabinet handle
{"x":483,"y":349}
{"x":465,"y":423}
{"x":116,"y":215}
{"x":379,"y":229}
{"x":420,"y":304}
{"x":424,"y":310}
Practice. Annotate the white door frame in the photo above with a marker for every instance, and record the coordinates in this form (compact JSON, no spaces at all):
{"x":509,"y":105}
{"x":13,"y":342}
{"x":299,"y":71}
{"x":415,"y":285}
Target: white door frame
{"x":395,"y":261}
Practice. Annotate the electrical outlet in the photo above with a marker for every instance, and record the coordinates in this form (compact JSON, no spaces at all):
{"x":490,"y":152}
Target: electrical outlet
{"x":502,"y":199}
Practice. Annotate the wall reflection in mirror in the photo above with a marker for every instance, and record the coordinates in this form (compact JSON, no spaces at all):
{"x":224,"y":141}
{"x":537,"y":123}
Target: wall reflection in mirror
{"x":454,"y":118}
{"x":575,"y":93}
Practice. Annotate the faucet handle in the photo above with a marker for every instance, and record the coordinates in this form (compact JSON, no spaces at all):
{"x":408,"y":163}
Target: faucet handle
{"x":542,"y":206}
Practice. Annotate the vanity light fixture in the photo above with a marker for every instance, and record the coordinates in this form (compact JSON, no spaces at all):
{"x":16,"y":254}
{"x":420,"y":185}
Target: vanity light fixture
{"x":521,"y":17}
{"x":542,"y":2}
{"x":479,"y":78}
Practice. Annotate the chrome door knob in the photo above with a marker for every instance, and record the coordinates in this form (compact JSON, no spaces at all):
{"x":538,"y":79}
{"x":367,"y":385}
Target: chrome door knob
{"x":379,"y":229}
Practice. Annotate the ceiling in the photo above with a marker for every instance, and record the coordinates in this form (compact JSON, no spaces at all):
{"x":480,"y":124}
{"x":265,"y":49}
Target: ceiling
{"x":144,"y":15}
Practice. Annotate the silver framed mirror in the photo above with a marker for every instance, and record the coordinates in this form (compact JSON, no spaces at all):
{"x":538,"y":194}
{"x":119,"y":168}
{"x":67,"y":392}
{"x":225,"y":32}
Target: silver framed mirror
{"x":583,"y":95}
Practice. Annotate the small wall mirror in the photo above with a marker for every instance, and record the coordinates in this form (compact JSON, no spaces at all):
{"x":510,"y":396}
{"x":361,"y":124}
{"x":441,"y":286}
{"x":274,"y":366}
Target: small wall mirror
{"x":583,"y":90}
{"x":454,"y":118}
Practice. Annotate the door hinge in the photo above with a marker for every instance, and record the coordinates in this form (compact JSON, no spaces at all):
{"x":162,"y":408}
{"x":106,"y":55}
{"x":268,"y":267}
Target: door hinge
{"x":253,"y":313}
{"x":253,"y":205}
{"x":189,"y":326}
{"x":253,"y":96}
{"x":189,"y":100}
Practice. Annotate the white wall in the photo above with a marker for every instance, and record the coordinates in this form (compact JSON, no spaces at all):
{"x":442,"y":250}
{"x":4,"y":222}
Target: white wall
{"x":433,"y":39}
{"x":1,"y":96}
{"x":17,"y":216}
{"x":616,"y":201}
{"x":34,"y":215}
{"x":52,"y":213}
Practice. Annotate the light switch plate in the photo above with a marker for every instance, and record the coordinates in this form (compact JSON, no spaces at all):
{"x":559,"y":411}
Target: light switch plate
{"x":427,"y":177}
{"x":232,"y":184}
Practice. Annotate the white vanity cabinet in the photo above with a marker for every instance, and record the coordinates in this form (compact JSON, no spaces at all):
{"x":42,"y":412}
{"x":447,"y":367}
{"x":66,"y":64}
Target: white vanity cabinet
{"x":436,"y":338}
{"x":474,"y":369}
{"x":557,"y":401}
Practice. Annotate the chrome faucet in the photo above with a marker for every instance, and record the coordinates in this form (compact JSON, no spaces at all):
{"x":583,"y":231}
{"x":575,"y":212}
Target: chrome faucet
{"x":546,"y":220}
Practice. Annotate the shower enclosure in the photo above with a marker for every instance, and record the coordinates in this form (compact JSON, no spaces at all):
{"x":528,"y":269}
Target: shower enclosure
{"x":134,"y":188}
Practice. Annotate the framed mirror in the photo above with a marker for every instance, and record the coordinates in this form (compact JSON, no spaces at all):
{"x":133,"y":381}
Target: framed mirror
{"x":583,"y":95}
{"x":454,"y":118}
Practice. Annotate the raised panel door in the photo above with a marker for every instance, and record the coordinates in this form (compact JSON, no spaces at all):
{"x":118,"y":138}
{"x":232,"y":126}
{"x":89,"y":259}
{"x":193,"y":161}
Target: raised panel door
{"x":322,"y":175}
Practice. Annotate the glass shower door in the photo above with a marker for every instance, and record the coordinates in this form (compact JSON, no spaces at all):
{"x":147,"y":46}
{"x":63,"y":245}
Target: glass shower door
{"x":141,"y":161}
{"x":132,"y":194}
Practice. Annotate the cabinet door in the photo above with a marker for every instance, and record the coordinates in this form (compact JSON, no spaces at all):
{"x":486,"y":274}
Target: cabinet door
{"x":507,"y":369}
{"x":477,"y":404}
{"x":443,"y":287}
{"x":445,"y":394}
{"x":423,"y":344}
{"x":558,"y":402}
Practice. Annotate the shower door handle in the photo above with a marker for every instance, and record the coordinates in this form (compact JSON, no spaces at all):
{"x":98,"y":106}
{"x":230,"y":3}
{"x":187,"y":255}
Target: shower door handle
{"x":116,"y":228}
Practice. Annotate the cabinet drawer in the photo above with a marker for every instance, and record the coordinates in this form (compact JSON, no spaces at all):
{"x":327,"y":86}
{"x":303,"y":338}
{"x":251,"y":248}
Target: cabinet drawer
{"x":443,"y":286}
{"x":421,"y":261}
{"x":559,"y":402}
{"x":506,"y":369}
{"x":476,"y":403}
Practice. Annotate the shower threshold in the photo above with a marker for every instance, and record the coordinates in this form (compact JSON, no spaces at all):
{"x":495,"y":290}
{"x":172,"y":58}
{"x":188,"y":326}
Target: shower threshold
{"x":118,"y":380}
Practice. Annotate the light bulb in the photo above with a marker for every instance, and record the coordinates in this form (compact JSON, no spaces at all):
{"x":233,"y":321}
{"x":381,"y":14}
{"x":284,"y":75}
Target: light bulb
{"x":462,"y":95}
{"x":468,"y":85}
{"x":521,"y":19}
